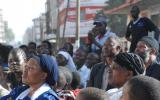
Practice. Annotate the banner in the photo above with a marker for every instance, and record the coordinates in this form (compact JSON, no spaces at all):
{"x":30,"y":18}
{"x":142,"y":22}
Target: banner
{"x":88,"y":8}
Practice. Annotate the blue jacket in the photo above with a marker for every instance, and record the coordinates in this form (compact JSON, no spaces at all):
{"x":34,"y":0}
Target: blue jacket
{"x":48,"y":95}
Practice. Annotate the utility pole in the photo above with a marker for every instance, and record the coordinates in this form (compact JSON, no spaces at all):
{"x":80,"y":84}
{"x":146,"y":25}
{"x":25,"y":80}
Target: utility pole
{"x":33,"y":37}
{"x":65,"y":22}
{"x":41,"y":28}
{"x":58,"y":27}
{"x":77,"y":25}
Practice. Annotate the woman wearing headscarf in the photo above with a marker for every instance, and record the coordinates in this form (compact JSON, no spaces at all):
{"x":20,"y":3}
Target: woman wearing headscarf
{"x":64,"y":59}
{"x":124,"y":67}
{"x":39,"y":74}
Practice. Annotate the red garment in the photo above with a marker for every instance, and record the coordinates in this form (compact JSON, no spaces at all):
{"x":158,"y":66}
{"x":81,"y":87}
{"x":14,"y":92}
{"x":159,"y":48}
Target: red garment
{"x":100,"y":36}
{"x":69,"y":95}
{"x":75,"y":92}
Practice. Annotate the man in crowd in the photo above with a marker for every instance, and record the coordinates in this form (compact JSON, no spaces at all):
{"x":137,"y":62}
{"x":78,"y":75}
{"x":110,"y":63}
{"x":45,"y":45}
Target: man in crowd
{"x":92,"y":59}
{"x":99,"y":34}
{"x":147,"y":48}
{"x":79,"y":59}
{"x":139,"y":27}
{"x":99,"y":73}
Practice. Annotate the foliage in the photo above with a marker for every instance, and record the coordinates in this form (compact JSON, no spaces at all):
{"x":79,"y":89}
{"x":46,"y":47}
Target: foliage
{"x":117,"y":22}
{"x":114,"y":3}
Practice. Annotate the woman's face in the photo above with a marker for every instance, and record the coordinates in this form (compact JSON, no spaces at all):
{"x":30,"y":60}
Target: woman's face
{"x":118,"y":75}
{"x":32,"y":73}
{"x":61,"y":60}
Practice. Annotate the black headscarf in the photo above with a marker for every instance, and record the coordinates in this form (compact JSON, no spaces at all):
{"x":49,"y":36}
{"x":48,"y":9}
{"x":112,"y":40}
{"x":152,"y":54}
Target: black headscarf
{"x":130,"y":61}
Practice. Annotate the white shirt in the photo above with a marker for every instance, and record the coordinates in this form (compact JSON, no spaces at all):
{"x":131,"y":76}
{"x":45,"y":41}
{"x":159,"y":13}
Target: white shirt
{"x":105,"y":78}
{"x":84,"y":74}
{"x":103,"y":39}
{"x":3,"y":91}
{"x":114,"y":94}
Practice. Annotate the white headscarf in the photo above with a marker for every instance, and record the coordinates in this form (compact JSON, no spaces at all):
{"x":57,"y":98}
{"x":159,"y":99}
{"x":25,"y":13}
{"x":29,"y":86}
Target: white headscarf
{"x":70,"y":63}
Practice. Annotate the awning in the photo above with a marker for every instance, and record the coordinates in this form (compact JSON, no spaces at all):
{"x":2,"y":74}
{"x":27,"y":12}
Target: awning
{"x":126,"y":7}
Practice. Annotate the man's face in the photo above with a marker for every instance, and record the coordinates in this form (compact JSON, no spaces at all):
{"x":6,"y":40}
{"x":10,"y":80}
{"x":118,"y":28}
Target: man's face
{"x":44,"y":46}
{"x":31,"y":47}
{"x":143,"y":51}
{"x":91,"y":60}
{"x":134,"y":12}
{"x":111,"y":47}
{"x":99,"y":28}
{"x":79,"y":57}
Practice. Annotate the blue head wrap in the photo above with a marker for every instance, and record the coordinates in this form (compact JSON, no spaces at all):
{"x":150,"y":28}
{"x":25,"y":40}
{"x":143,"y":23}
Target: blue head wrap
{"x":49,"y":65}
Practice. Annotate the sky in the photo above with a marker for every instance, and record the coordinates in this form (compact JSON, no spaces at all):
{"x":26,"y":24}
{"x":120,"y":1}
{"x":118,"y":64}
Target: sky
{"x":19,"y":14}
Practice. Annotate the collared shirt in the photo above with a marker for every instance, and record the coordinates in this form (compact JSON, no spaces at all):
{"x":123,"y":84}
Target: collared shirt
{"x":105,"y":78}
{"x":84,"y":74}
{"x":45,"y":87}
{"x":3,"y":91}
{"x":20,"y":93}
{"x":102,"y":40}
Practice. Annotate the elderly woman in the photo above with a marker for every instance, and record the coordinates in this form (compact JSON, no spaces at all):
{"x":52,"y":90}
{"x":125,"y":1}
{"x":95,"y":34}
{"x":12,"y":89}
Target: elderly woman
{"x":40,"y":73}
{"x":124,"y":67}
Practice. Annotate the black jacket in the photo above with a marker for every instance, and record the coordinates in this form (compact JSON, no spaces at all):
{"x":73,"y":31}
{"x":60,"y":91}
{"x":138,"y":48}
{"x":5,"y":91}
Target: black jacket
{"x":154,"y":70}
{"x":96,"y":76}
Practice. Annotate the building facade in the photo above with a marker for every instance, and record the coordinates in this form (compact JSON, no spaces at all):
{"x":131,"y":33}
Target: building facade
{"x":28,"y":36}
{"x":36,"y":33}
{"x":2,"y":31}
{"x":39,"y":28}
{"x":51,"y":16}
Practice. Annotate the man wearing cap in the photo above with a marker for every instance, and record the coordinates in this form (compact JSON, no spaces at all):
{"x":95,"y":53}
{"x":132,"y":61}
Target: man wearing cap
{"x":139,"y":27}
{"x":99,"y":34}
{"x":147,"y":48}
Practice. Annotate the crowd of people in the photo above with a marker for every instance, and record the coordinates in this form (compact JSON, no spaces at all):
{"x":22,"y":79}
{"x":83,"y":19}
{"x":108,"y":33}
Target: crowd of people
{"x":100,"y":71}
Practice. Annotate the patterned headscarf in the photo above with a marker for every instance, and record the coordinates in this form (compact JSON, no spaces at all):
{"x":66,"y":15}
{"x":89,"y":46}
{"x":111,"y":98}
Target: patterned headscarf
{"x":130,"y":61}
